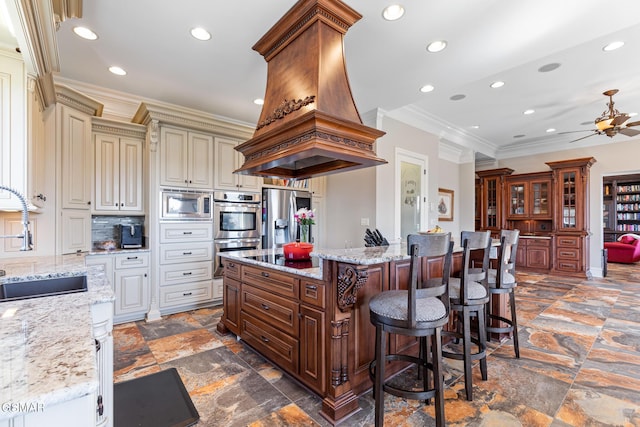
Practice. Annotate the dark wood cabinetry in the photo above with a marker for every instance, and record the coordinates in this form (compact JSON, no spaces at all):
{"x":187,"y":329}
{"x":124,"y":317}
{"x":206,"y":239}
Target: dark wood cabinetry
{"x":529,"y":196}
{"x":534,"y":253}
{"x":492,"y":194}
{"x":620,"y":206}
{"x":571,"y":215}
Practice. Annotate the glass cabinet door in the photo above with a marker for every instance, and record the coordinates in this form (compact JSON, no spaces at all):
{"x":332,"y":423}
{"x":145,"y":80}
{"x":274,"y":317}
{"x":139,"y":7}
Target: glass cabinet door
{"x":492,"y":203}
{"x":540,"y":198}
{"x":569,"y":200}
{"x":517,"y":201}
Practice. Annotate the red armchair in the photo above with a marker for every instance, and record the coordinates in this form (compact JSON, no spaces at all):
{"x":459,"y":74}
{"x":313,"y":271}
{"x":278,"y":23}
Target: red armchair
{"x":626,"y":250}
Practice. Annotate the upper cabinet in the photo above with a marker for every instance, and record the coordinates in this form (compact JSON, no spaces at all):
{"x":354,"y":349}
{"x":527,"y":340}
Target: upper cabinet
{"x":492,"y":191}
{"x":529,"y":196}
{"x":119,"y":175}
{"x":186,"y":159}
{"x":228,"y":160}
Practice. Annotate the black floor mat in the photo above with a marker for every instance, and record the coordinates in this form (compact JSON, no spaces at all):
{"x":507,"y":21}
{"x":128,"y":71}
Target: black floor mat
{"x":156,"y":400}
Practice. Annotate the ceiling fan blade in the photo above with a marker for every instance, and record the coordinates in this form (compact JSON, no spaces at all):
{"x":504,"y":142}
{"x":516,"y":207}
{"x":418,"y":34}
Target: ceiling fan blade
{"x":575,"y":131}
{"x":633,"y":124}
{"x":629,"y":132}
{"x":583,"y":137}
{"x":618,"y":120}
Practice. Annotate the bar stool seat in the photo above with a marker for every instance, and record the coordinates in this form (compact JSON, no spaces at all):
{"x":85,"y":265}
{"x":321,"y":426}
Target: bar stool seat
{"x":419,"y":312}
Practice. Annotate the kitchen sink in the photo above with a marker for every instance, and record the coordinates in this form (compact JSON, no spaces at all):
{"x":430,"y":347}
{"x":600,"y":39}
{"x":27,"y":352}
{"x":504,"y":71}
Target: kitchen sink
{"x":42,"y":288}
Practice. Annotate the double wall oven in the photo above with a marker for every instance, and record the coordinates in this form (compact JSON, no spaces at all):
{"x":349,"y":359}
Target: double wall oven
{"x":237,"y":221}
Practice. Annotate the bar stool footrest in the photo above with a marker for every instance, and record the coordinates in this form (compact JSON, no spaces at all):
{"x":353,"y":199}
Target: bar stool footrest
{"x":400,"y":392}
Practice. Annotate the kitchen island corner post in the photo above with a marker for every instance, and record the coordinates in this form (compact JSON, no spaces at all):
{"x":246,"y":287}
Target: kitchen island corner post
{"x":340,"y":401}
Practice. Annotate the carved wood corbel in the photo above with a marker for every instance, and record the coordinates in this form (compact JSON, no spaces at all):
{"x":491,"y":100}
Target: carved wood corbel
{"x":350,"y":279}
{"x":154,"y":135}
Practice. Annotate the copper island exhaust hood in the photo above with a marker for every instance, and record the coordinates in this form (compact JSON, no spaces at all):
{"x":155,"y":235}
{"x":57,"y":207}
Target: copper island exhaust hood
{"x":309,"y":124}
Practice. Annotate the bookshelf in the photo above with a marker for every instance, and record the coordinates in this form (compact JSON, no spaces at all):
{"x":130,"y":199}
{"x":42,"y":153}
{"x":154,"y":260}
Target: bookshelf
{"x":621,"y":206}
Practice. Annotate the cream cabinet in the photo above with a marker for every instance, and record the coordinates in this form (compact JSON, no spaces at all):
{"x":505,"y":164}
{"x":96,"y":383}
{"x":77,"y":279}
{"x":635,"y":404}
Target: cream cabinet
{"x":129,"y":276}
{"x":76,"y":153}
{"x":76,"y":230}
{"x":118,"y":178}
{"x":228,"y":160}
{"x":102,"y":321}
{"x":186,"y":266}
{"x":186,"y":159}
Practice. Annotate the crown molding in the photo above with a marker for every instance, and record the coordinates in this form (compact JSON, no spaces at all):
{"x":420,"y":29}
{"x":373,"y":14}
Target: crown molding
{"x":192,"y":119}
{"x":74,"y":99}
{"x":111,"y":127}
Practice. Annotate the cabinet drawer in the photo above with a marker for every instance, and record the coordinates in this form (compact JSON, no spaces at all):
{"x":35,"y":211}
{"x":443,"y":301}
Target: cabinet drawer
{"x":567,"y":254}
{"x":271,"y":280}
{"x":185,"y":232}
{"x":131,"y":260}
{"x":192,"y":293}
{"x":171,"y":253}
{"x":231,"y":268}
{"x":277,"y":311}
{"x":312,"y":292}
{"x":568,"y":241}
{"x":274,"y":344}
{"x":568,"y":266}
{"x":188,"y":272}
{"x":537,"y":242}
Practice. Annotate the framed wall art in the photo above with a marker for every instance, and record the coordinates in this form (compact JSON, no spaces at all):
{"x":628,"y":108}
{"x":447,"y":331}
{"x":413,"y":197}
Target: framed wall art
{"x":445,"y":204}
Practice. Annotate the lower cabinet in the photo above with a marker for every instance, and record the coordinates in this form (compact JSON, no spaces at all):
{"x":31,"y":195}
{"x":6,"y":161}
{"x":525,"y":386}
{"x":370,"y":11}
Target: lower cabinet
{"x":83,"y":410}
{"x":129,"y":276}
{"x":102,"y":318}
{"x":534,"y":253}
{"x":568,"y":250}
{"x":280,"y":315}
{"x":186,"y":266}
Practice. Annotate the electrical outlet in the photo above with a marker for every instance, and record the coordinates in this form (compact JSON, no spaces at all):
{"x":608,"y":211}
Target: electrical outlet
{"x":364,"y":221}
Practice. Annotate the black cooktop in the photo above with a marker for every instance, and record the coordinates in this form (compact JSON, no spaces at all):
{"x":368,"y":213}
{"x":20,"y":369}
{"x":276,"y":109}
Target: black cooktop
{"x":279,"y":259}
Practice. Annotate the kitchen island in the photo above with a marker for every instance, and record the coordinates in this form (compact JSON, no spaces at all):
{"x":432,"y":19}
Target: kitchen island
{"x":312,"y":318}
{"x":56,"y":352}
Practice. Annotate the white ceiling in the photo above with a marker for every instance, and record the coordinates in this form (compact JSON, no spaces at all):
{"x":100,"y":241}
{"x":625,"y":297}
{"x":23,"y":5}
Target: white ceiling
{"x":387,"y":62}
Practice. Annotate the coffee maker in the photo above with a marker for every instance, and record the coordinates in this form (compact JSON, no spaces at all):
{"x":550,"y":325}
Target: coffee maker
{"x":130,"y":236}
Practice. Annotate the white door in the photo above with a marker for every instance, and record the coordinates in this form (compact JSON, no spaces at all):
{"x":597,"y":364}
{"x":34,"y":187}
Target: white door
{"x":411,"y":193}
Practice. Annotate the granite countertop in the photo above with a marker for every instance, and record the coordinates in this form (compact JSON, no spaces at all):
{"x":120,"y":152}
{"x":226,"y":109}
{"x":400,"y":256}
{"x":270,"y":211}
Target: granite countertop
{"x":116,"y":251}
{"x":47,"y":350}
{"x":361,"y":256}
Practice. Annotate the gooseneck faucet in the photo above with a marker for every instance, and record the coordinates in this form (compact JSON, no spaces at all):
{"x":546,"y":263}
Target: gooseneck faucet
{"x":26,"y":235}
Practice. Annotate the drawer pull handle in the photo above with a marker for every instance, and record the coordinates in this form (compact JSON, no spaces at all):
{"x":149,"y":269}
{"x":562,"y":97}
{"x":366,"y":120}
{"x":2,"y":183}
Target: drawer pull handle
{"x":265,"y":274}
{"x":98,"y":346}
{"x":312,"y":287}
{"x":186,"y":294}
{"x":187,"y":253}
{"x":230,"y":265}
{"x":263,"y":338}
{"x":265,"y":306}
{"x":187,"y":232}
{"x":132,"y":257}
{"x":187,"y":273}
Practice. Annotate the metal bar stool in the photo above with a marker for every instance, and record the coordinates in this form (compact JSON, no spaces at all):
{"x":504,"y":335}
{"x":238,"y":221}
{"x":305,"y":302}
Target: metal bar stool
{"x":469,"y":296}
{"x":419,"y":312}
{"x":502,"y":280}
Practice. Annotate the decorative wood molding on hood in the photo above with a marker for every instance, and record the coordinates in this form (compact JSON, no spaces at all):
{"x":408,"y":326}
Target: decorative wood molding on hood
{"x":309,"y":124}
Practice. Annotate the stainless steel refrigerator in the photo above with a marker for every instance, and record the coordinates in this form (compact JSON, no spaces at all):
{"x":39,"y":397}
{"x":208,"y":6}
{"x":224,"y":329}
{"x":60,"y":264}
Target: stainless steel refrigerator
{"x":278,"y":222}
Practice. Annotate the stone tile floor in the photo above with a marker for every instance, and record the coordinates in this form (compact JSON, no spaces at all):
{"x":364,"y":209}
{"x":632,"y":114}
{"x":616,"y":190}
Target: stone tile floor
{"x":579,"y":365}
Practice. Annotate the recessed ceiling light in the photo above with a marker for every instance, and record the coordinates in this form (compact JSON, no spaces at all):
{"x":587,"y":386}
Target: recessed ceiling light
{"x":497,"y":84}
{"x":458,"y":97}
{"x":200,"y":33}
{"x":85,"y":33}
{"x":549,"y":67}
{"x":475,"y":127}
{"x":427,"y":88}
{"x":529,"y":111}
{"x":613,"y":46}
{"x":258,"y":101}
{"x":393,"y":12}
{"x":436,"y":46}
{"x":117,"y":70}
{"x":550,"y":130}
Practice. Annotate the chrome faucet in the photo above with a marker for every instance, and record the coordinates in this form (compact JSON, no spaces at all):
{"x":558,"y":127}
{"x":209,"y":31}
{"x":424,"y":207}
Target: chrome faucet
{"x":26,"y":234}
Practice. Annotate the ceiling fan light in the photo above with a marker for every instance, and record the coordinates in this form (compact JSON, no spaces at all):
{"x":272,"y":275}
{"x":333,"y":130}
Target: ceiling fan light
{"x":604,"y":123}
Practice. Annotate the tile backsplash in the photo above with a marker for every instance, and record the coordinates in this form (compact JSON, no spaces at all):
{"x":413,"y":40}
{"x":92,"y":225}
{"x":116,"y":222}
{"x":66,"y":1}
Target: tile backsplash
{"x":105,"y":228}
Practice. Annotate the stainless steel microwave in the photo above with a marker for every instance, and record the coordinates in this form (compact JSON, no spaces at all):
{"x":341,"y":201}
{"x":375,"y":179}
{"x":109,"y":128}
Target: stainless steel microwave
{"x":191,"y":205}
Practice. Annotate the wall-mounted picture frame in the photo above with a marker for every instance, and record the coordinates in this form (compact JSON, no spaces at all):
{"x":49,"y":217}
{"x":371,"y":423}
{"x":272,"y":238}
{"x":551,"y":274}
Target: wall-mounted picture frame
{"x":445,"y":204}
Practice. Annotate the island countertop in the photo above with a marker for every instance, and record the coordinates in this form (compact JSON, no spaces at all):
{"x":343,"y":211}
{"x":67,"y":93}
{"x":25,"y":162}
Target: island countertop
{"x":47,"y":349}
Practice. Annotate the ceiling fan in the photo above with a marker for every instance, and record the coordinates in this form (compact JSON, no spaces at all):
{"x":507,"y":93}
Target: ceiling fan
{"x":611,"y":121}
